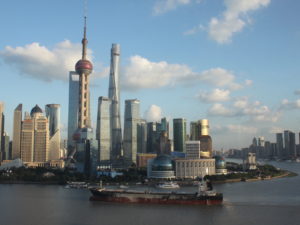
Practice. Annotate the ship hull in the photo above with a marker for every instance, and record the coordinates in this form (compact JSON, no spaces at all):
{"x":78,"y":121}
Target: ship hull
{"x":155,"y":198}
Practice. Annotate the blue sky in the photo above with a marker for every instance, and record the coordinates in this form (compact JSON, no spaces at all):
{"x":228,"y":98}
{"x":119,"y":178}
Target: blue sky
{"x":234,"y":62}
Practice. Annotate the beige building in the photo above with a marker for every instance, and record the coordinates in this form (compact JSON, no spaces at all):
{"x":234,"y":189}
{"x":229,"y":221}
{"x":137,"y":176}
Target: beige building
{"x":192,"y":168}
{"x":194,"y":165}
{"x":17,"y":126}
{"x":35,"y":137}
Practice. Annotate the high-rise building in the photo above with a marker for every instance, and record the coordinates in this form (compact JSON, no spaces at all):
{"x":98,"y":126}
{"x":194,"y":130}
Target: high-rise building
{"x":73,"y":108}
{"x":193,"y":150}
{"x":261,"y":142}
{"x":103,"y":131}
{"x":179,"y":133}
{"x":286,"y":136}
{"x":279,"y":144}
{"x":292,"y":143}
{"x":114,"y":95}
{"x":35,"y":137}
{"x":142,"y":137}
{"x":152,"y":136}
{"x":53,"y":115}
{"x":5,"y":147}
{"x":195,"y":131}
{"x":131,"y":121}
{"x":16,"y":142}
{"x":165,"y":126}
{"x":1,"y":128}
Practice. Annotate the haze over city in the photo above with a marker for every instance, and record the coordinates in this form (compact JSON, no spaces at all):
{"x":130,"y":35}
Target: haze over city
{"x":232,"y":62}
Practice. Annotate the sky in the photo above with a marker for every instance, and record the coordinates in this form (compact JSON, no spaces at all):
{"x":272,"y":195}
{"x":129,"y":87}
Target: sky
{"x":233,"y":62}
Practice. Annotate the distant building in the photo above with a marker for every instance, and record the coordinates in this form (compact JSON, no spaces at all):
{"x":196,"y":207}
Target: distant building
{"x":35,"y":137}
{"x":17,"y":125}
{"x":142,"y":137}
{"x":131,"y":121}
{"x":53,"y":116}
{"x":165,"y":126}
{"x":194,"y":165}
{"x":161,"y":167}
{"x":103,"y":130}
{"x":251,"y":161}
{"x":193,"y":149}
{"x":1,"y":129}
{"x":179,"y":134}
{"x":193,"y":168}
{"x":114,"y":95}
{"x":279,"y":145}
{"x":73,"y":108}
{"x":142,"y":159}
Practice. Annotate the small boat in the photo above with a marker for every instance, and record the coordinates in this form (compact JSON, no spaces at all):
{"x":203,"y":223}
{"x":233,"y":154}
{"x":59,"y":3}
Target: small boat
{"x":76,"y":185}
{"x":167,"y":185}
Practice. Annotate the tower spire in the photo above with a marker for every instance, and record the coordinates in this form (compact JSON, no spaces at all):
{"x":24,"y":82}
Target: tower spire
{"x":84,"y":40}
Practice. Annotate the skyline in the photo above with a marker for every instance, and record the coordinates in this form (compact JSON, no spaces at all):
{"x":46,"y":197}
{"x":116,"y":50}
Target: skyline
{"x":233,"y":78}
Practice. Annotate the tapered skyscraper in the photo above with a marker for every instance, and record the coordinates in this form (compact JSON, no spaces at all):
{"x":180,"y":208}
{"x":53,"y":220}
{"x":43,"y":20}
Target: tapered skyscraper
{"x":114,"y":95}
{"x":16,"y":143}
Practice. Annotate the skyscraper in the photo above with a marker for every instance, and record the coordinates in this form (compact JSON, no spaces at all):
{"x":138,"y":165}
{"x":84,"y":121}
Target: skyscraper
{"x":279,"y":144}
{"x":142,"y":136}
{"x":16,"y":142}
{"x":114,"y":95}
{"x":35,"y":137}
{"x":103,"y":130}
{"x":286,"y":135}
{"x":179,"y":133}
{"x":131,"y":121}
{"x":53,"y":115}
{"x":73,"y":108}
{"x":1,"y":127}
{"x":165,"y":126}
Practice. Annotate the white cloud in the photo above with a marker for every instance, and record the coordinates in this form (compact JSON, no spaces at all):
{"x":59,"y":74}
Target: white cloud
{"x":286,"y":104}
{"x":162,"y":6}
{"x":220,"y":78}
{"x":274,"y":130}
{"x":217,"y":95}
{"x":194,"y":30}
{"x":153,"y":113}
{"x":218,"y":109}
{"x":142,"y":73}
{"x":242,"y":107}
{"x":42,"y":63}
{"x":232,"y":128}
{"x":233,"y":19}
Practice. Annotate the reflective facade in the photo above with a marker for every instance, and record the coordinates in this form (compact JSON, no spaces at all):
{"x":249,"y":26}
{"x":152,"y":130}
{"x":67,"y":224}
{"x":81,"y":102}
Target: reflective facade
{"x":16,"y":142}
{"x":53,"y":115}
{"x":114,"y":95}
{"x":73,"y":107}
{"x":103,"y":131}
{"x":131,"y":121}
{"x":179,"y":133}
{"x":1,"y":126}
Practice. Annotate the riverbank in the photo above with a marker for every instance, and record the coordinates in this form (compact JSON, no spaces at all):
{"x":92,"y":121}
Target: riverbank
{"x":285,"y":174}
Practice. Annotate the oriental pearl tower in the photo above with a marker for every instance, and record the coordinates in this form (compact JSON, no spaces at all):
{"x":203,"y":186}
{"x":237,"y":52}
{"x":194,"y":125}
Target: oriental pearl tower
{"x":84,"y":68}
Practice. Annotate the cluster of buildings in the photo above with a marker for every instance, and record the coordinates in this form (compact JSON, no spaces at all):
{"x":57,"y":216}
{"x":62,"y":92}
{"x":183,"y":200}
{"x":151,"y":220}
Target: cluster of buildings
{"x":285,"y":148}
{"x":36,"y":137}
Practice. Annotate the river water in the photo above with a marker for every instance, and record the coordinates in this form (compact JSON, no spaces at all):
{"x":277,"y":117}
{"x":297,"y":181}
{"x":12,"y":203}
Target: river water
{"x":275,"y":202}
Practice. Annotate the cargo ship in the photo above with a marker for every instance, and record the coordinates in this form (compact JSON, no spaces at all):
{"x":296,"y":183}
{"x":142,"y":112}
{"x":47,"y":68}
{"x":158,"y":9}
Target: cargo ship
{"x":204,"y":196}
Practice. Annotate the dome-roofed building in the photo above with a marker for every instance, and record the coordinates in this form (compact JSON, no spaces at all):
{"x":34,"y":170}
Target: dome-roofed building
{"x":36,"y":109}
{"x":220,"y":165}
{"x":161,"y":167}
